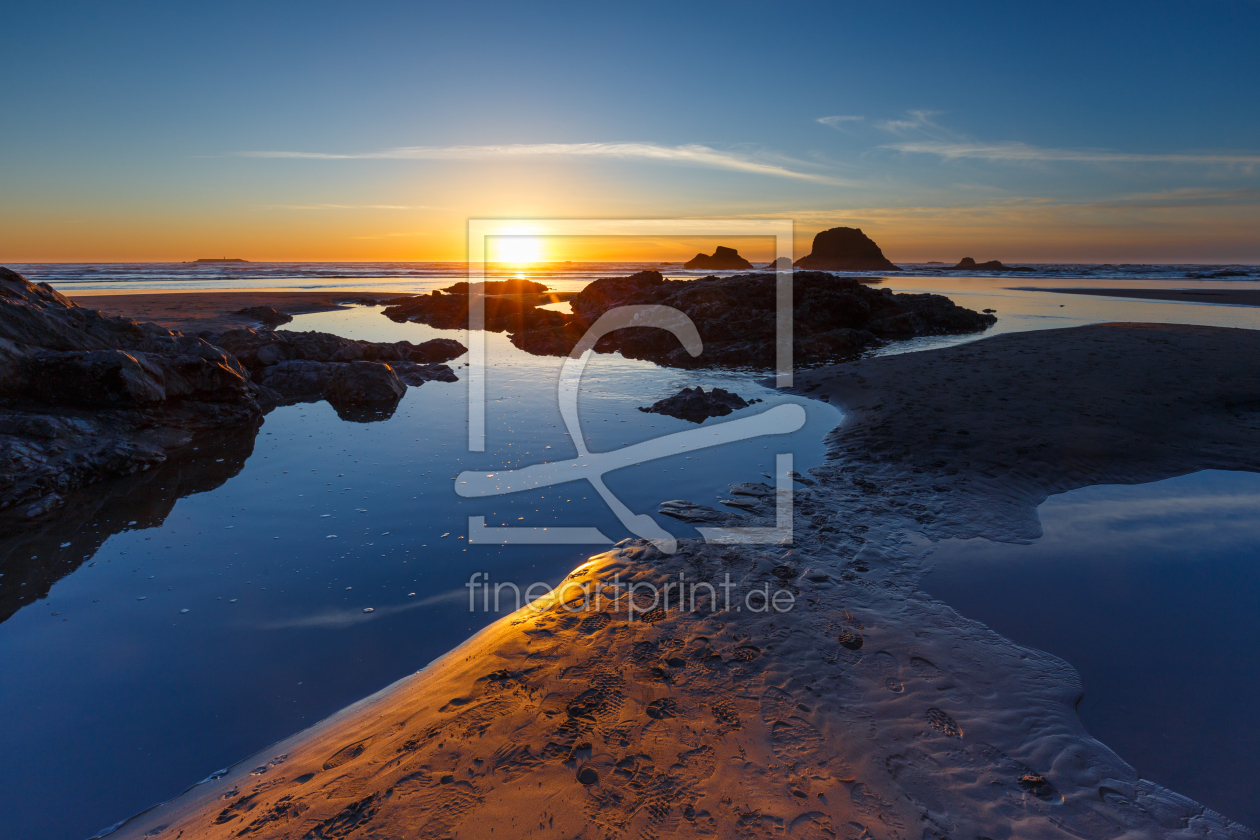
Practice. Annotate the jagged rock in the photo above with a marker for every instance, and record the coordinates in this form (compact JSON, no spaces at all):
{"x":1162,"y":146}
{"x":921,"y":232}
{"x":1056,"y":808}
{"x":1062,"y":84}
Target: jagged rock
{"x":360,"y":383}
{"x":85,"y":397}
{"x":95,"y":378}
{"x":723,"y":259}
{"x":512,"y":286}
{"x":968,"y":264}
{"x":833,"y":317}
{"x":507,"y":313}
{"x":266,"y":315}
{"x":258,"y":349}
{"x":695,"y":405}
{"x":781,"y":262}
{"x":301,"y":380}
{"x":845,"y":249}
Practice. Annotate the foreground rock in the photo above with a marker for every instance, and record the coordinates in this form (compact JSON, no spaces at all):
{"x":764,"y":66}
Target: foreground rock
{"x":722,"y":259}
{"x":845,"y":249}
{"x":85,"y":397}
{"x":695,"y":405}
{"x":856,"y":706}
{"x":833,"y":317}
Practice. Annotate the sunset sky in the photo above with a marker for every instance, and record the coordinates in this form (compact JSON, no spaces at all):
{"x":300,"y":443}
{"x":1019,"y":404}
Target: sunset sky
{"x":1100,"y":132}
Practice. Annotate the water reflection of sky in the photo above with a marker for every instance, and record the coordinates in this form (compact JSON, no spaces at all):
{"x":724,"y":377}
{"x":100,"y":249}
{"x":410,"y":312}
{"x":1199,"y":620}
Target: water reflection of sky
{"x":1153,"y":593}
{"x":118,"y":699}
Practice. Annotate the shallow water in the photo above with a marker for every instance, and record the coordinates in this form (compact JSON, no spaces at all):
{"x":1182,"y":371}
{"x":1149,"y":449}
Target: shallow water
{"x":1151,"y":592}
{"x":117,"y":698}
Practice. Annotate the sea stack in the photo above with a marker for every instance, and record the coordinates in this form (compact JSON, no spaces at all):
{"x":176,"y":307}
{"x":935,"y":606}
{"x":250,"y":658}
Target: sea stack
{"x":968,"y":264}
{"x":723,"y":259}
{"x":845,"y":249}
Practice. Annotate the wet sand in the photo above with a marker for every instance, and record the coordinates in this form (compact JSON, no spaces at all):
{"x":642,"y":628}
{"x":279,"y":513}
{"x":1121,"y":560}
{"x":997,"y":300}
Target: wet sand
{"x":214,"y":311}
{"x":867,"y":709}
{"x":1235,"y":297}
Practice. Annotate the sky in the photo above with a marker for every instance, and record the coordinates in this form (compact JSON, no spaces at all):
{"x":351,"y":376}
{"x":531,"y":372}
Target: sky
{"x":1091,"y":132}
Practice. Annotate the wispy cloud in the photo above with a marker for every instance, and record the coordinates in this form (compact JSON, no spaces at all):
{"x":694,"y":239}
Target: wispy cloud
{"x":1022,"y":152}
{"x":693,"y":155}
{"x":345,"y":207}
{"x":838,"y":122}
{"x":918,"y":121}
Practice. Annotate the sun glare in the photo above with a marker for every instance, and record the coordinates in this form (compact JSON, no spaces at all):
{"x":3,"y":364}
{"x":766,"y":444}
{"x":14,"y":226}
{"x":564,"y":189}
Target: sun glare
{"x":516,"y":250}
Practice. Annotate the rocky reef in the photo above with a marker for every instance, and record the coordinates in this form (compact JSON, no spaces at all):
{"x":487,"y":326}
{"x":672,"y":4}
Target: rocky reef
{"x":968,"y":264}
{"x":833,"y":317}
{"x":845,"y":249}
{"x":695,"y":405}
{"x":85,"y":397}
{"x":722,"y":259}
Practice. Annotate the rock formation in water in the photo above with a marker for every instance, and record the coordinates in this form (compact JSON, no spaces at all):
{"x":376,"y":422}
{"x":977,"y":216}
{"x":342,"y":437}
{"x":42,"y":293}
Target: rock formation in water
{"x":723,"y":259}
{"x":268,"y":316}
{"x":781,"y":262}
{"x":845,"y":249}
{"x":695,"y":405}
{"x":508,"y":313}
{"x":833,"y":317}
{"x":968,"y":264}
{"x":85,"y":397}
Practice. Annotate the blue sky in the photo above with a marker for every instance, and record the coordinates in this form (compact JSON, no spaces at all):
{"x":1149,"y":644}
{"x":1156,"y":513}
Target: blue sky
{"x":1094,"y":131}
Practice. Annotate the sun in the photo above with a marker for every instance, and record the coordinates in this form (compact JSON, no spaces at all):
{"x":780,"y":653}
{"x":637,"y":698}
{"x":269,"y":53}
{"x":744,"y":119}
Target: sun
{"x":516,"y":250}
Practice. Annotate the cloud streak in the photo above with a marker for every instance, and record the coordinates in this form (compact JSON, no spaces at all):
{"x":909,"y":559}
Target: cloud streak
{"x":1024,"y":153}
{"x":345,"y":207}
{"x":693,"y":155}
{"x":837,"y":122}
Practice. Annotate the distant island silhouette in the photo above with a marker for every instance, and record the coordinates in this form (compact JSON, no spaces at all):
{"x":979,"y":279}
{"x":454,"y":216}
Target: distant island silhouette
{"x":222,"y":260}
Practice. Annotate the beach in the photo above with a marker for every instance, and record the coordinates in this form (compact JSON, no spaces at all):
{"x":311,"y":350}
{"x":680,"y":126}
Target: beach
{"x":866,"y":708}
{"x":214,"y":311}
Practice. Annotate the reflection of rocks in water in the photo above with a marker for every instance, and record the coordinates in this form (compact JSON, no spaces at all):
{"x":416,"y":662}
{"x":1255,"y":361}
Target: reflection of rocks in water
{"x":365,"y":413}
{"x":34,"y":556}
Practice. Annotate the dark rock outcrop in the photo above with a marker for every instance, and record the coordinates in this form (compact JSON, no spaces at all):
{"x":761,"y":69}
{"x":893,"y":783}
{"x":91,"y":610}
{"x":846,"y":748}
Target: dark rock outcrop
{"x":845,"y":249}
{"x":512,"y":286}
{"x":268,"y":316}
{"x":303,"y":366}
{"x":968,"y":264}
{"x":85,"y":397}
{"x":781,"y":262}
{"x":833,"y":317}
{"x":695,"y":405}
{"x":508,"y":313}
{"x":364,"y":383}
{"x":723,"y":259}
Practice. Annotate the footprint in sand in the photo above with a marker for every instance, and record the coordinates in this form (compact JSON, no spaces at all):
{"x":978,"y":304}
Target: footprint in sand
{"x":942,"y":722}
{"x":924,"y":669}
{"x":887,"y":666}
